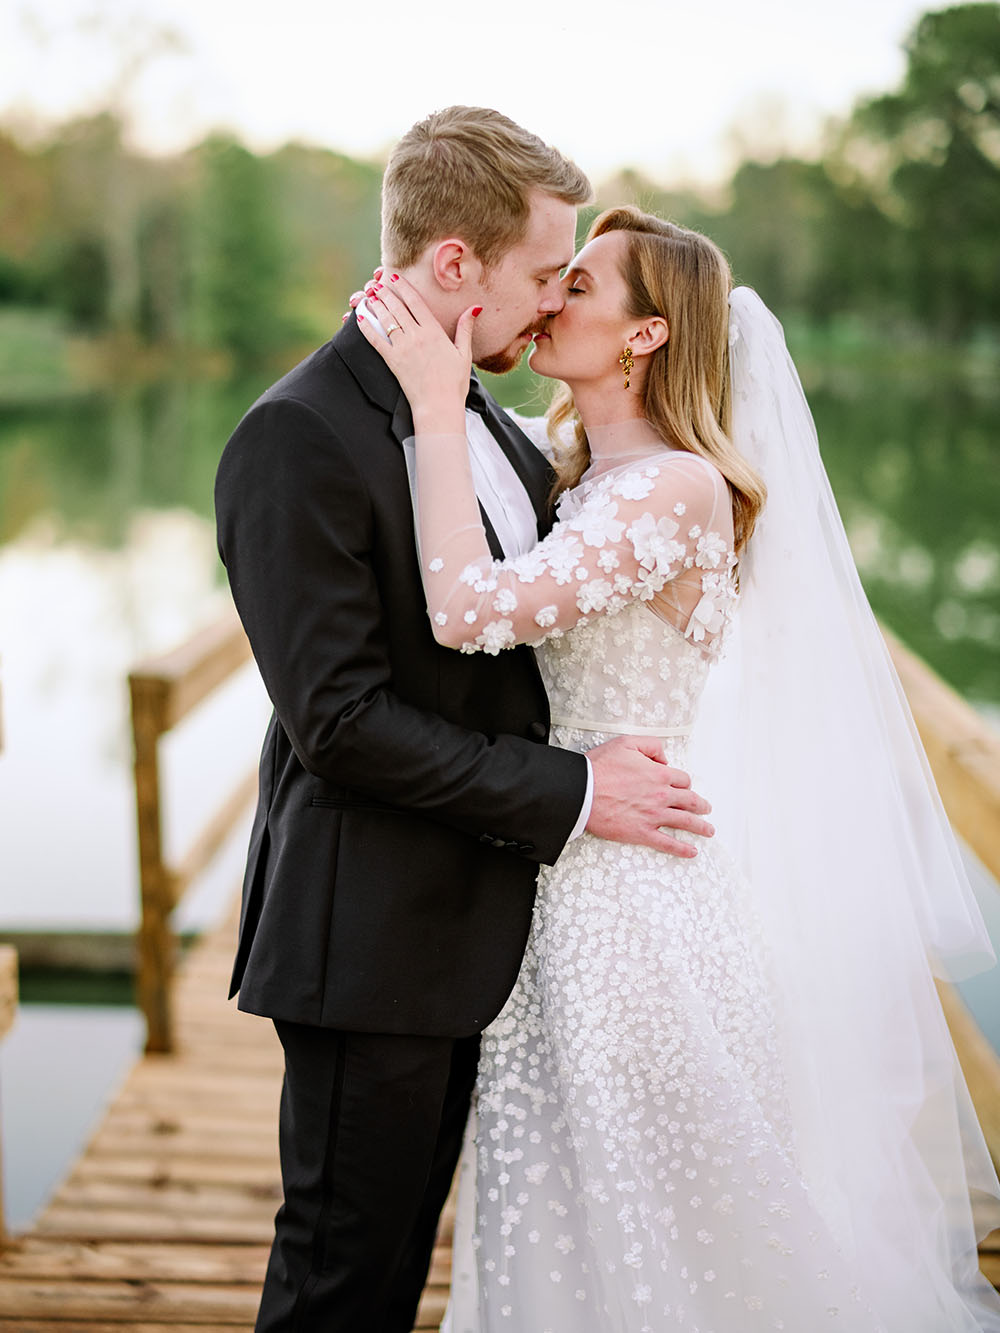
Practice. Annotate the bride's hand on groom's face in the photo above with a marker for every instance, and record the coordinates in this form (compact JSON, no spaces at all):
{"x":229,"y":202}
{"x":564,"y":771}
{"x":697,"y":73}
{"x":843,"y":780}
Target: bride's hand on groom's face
{"x":433,"y":370}
{"x":639,"y":798}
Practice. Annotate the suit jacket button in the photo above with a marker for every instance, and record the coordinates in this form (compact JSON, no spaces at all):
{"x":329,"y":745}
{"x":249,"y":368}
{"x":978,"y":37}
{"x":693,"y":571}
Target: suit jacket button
{"x":537,"y":731}
{"x":499,"y":842}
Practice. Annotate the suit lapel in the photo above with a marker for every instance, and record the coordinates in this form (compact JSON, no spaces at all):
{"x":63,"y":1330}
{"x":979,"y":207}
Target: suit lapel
{"x":381,"y":387}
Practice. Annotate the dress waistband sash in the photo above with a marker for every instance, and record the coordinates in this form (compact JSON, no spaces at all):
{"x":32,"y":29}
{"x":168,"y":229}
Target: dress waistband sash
{"x":616,"y":728}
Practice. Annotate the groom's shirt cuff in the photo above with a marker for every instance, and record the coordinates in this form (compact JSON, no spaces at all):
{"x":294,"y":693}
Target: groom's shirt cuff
{"x":588,"y":801}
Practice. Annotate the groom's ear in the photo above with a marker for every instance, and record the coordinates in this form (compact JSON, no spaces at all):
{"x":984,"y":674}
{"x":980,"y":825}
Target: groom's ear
{"x":649,"y":335}
{"x":453,"y":264}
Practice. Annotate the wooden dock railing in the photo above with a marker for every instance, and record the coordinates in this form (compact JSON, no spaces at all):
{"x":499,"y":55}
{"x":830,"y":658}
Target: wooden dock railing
{"x":964,"y":754}
{"x":8,"y":1012}
{"x":164,"y":690}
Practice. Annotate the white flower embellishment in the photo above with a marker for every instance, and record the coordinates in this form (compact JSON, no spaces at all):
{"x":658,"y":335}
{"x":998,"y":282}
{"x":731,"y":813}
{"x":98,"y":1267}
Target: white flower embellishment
{"x":596,"y":522}
{"x":653,"y":542}
{"x":593,"y":596}
{"x":529,"y":566}
{"x":562,"y":557}
{"x":633,"y":486}
{"x":497,"y":634}
{"x":709,"y":551}
{"x":708,"y":616}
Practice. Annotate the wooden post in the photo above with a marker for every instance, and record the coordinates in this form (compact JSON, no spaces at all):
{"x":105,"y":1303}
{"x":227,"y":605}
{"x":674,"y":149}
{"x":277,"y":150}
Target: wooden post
{"x":156,"y":946}
{"x":164,"y":690}
{"x":8,"y":1011}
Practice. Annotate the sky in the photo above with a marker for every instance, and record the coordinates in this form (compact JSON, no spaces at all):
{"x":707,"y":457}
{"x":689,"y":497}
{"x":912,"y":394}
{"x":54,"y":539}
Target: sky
{"x":673,"y":89}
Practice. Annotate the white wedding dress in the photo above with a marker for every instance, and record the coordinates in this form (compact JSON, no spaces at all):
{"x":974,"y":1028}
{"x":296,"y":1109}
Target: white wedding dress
{"x":711,"y":1104}
{"x":635,"y":1168}
{"x":635,"y":1164}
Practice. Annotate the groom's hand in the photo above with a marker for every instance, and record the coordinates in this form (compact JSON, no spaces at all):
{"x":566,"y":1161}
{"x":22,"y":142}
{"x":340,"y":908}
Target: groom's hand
{"x":637,"y":796}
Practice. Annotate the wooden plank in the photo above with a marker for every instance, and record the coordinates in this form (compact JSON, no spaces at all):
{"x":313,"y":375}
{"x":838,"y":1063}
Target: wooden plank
{"x":21,"y":1325}
{"x":141,"y":1224}
{"x":8,"y":988}
{"x":154,"y":1079}
{"x":114,"y":1138}
{"x":166,"y":1302}
{"x":133,"y":1260}
{"x":167,"y":1196}
{"x":128,"y":1261}
{"x":159,"y":1170}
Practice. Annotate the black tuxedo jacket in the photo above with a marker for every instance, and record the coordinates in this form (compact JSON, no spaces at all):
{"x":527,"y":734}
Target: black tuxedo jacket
{"x":407,"y":792}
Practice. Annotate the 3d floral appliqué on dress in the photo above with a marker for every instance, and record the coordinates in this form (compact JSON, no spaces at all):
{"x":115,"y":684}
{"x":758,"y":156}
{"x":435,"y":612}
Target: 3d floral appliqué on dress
{"x":634,"y":1164}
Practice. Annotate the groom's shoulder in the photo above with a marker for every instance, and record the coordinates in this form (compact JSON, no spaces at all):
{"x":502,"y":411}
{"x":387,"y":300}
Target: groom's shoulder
{"x":319,"y":381}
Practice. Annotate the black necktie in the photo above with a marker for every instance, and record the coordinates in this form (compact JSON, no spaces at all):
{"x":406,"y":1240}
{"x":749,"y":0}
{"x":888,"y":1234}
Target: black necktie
{"x":476,"y":399}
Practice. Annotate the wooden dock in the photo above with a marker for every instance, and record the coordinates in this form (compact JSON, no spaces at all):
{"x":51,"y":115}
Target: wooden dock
{"x":165,"y":1221}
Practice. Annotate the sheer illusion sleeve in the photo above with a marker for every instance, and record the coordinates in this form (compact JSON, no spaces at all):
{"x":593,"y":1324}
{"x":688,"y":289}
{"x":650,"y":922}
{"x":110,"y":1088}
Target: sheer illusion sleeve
{"x":658,"y":531}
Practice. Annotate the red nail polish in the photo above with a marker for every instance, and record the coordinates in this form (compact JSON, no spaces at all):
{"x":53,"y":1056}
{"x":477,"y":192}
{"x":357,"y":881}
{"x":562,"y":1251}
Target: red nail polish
{"x":360,"y":315}
{"x":378,"y":286}
{"x":477,"y":310}
{"x":394,"y":277}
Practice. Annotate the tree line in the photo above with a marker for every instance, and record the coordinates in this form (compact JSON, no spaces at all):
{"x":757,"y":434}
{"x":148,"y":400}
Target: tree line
{"x":895,"y":222}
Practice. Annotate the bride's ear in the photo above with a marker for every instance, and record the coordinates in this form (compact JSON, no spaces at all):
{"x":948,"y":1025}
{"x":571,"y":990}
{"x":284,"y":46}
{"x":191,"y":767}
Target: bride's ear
{"x":650,"y":334}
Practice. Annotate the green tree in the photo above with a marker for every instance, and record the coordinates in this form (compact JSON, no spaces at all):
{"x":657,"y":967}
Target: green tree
{"x":242,"y":261}
{"x":938,"y":165}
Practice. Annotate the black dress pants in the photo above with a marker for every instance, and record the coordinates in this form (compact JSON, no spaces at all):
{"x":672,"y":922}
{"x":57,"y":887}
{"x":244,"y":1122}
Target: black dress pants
{"x":370,"y":1133}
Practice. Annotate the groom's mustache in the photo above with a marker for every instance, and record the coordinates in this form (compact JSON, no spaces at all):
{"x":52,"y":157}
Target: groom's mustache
{"x":539,"y":326}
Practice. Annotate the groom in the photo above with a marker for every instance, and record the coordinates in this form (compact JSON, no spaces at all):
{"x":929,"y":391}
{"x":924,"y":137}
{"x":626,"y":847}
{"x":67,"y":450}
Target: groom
{"x":407,"y":792}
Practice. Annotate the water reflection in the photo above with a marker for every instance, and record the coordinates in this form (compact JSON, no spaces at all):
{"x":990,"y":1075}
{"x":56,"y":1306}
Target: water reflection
{"x":108,"y":553}
{"x":75,"y":617}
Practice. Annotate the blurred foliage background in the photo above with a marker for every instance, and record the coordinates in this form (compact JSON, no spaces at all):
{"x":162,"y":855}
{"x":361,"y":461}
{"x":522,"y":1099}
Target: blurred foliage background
{"x":221,"y":250}
{"x":144,"y":302}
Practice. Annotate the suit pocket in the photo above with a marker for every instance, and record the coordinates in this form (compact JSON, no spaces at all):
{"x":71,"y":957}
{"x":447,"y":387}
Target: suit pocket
{"x":346,"y":803}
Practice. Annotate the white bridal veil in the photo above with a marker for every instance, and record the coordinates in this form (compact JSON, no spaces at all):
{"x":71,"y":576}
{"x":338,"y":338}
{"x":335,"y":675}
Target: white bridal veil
{"x":806,"y":746}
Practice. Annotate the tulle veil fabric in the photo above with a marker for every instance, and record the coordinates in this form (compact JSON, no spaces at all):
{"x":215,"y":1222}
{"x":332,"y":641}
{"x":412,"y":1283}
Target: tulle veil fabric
{"x":819,"y":783}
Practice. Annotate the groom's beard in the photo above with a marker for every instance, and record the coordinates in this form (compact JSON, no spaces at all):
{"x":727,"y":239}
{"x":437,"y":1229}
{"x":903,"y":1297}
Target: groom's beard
{"x":499,"y":363}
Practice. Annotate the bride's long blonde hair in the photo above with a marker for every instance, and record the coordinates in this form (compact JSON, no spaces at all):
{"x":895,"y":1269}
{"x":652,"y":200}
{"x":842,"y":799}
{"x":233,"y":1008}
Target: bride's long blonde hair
{"x":684,"y":277}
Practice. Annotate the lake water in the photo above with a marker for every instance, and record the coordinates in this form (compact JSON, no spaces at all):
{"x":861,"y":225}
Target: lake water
{"x":107,"y":553}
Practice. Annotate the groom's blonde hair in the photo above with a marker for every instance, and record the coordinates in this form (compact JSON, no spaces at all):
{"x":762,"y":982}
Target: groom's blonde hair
{"x":468,"y":171}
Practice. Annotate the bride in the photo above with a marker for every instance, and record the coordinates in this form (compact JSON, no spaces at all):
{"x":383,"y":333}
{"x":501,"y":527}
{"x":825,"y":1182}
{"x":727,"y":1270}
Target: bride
{"x":722,"y":1097}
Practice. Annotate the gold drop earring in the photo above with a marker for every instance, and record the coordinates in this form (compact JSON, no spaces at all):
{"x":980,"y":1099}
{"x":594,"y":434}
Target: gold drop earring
{"x":626,"y":362}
